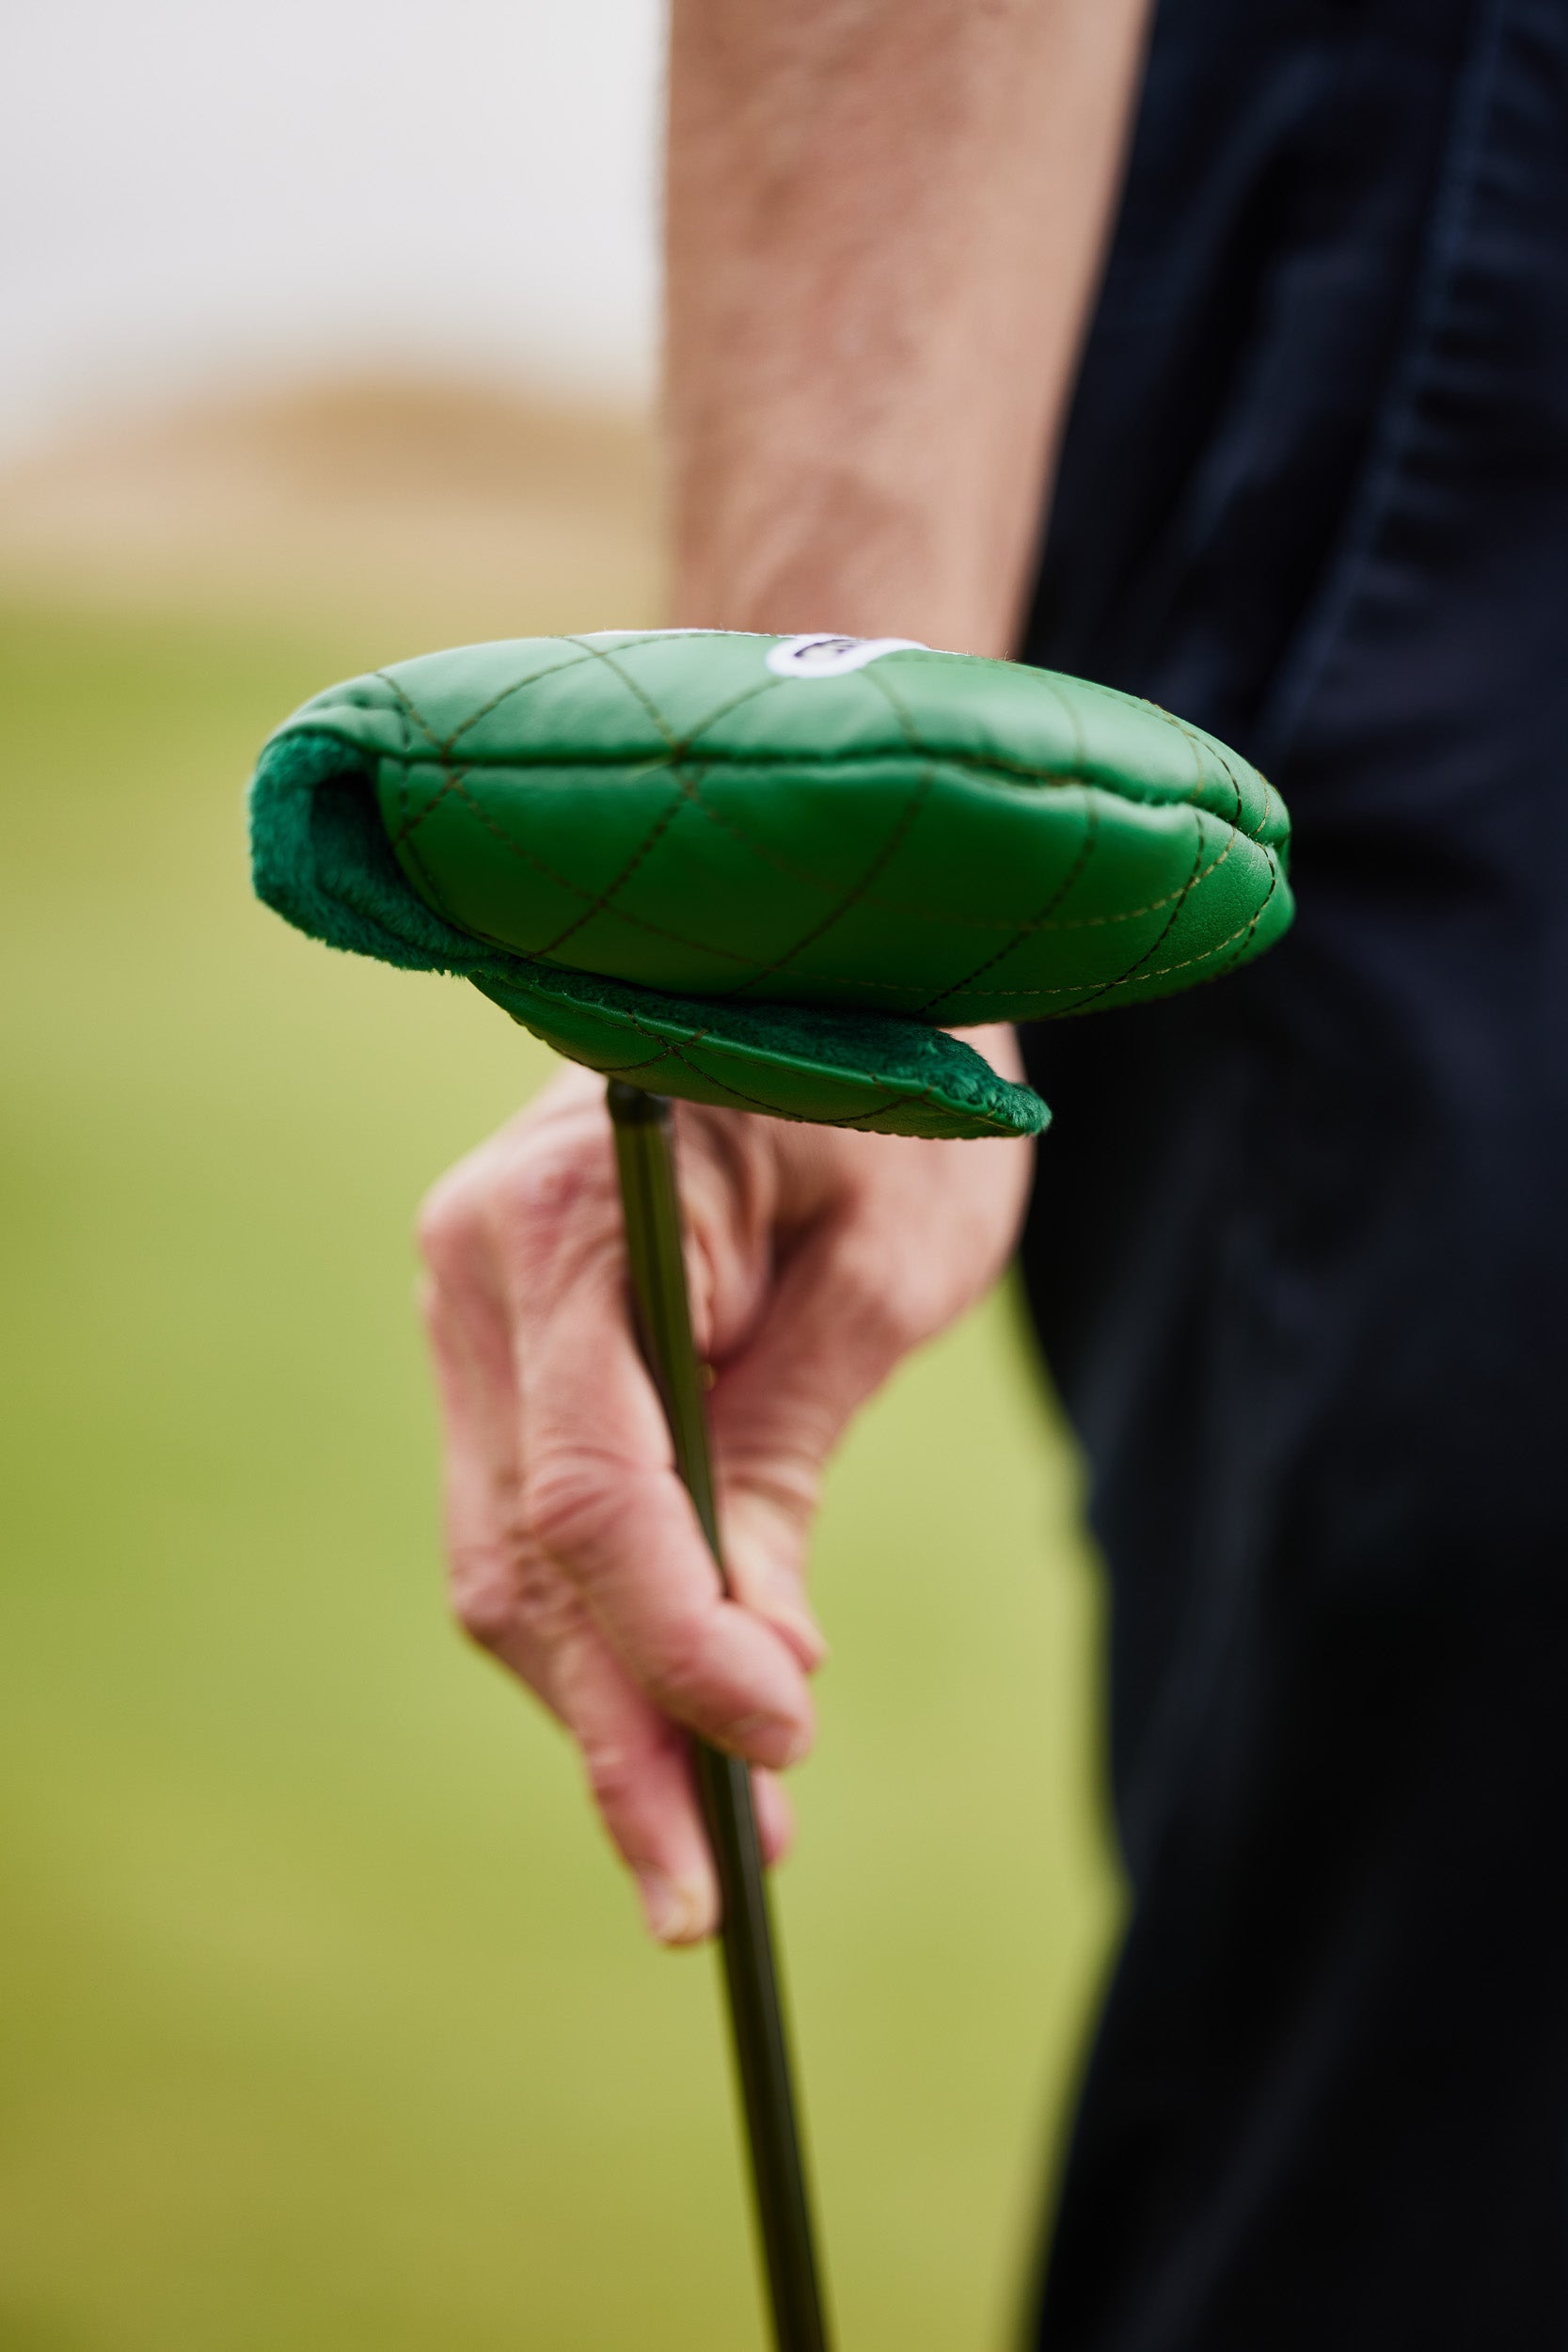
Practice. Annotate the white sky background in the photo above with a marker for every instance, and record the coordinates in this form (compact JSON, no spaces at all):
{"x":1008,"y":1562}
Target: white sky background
{"x":202,"y":192}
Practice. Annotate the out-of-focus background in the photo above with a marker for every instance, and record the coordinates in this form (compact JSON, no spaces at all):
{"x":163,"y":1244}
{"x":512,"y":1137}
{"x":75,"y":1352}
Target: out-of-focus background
{"x":324,"y":2019}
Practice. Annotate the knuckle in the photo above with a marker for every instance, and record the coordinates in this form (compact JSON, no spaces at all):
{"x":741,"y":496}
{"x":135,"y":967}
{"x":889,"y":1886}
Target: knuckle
{"x":880,"y":1298}
{"x":770,"y":1489}
{"x":543,"y":1181}
{"x":615,"y":1776}
{"x":523,"y":1185}
{"x":447,"y":1222}
{"x":550,"y":1177}
{"x":543,"y":1608}
{"x":501,"y":1592}
{"x":480,"y":1594}
{"x":568,"y":1504}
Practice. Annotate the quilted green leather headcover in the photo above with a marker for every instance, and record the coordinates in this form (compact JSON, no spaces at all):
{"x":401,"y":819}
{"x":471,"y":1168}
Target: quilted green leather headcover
{"x":771,"y":871}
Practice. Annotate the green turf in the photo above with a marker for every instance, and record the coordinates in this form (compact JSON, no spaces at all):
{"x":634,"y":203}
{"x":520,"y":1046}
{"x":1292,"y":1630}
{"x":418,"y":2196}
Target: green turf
{"x":324,"y":2021}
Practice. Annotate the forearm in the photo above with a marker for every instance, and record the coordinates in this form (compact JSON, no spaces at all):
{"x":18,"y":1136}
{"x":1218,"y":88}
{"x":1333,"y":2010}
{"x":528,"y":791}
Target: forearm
{"x":884,"y":219}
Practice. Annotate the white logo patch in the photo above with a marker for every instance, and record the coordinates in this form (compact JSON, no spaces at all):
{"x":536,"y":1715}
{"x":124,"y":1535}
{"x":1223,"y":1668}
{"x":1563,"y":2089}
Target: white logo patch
{"x":834,"y":656}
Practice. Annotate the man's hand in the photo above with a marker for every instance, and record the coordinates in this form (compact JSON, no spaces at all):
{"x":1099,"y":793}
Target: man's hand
{"x":816,"y":1259}
{"x":884,"y":222}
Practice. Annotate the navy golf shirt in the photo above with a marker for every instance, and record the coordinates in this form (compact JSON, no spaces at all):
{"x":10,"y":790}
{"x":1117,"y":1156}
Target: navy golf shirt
{"x":1299,"y":1253}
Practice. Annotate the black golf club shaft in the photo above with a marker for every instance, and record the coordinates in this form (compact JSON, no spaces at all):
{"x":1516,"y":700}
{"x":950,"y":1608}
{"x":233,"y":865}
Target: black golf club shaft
{"x":650,"y":1201}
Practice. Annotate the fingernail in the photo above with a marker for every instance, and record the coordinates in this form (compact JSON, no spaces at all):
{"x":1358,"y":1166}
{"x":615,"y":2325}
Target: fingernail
{"x":784,"y":1741}
{"x":675,"y":1913}
{"x":767,"y":1581}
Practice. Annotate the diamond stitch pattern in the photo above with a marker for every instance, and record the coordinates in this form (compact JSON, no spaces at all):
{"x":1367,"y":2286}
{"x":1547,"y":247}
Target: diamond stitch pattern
{"x":634,"y":823}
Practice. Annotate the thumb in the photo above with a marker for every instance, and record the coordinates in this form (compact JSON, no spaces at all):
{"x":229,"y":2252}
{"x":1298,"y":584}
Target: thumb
{"x":829,"y":1336}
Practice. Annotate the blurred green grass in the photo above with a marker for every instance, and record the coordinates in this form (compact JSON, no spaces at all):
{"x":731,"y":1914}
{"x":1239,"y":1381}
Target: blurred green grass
{"x":324,"y":2021}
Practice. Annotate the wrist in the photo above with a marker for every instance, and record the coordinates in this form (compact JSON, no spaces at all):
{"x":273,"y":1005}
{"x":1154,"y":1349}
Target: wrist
{"x":997,"y":1043}
{"x":829,"y":548}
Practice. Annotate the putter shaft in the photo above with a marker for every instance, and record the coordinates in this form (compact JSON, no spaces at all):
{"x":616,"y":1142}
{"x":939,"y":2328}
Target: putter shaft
{"x":650,"y":1201}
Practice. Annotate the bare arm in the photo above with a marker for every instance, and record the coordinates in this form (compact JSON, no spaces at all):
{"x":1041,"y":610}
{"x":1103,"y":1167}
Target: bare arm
{"x":884,"y":219}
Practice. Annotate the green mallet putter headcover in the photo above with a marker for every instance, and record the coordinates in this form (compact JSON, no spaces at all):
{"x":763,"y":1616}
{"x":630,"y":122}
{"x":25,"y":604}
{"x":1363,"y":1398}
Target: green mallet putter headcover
{"x":767,"y":872}
{"x":771,"y":873}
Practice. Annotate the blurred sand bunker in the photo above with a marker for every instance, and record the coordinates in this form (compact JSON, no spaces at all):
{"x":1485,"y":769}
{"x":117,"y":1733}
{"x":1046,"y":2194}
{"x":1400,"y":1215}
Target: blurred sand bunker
{"x":462,"y":511}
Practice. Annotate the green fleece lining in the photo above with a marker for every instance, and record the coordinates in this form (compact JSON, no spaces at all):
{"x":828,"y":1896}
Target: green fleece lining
{"x":321,"y":859}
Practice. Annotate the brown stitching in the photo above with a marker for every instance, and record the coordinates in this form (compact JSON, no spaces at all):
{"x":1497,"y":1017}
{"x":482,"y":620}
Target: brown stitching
{"x":602,"y":655}
{"x":1186,"y":963}
{"x":601,"y":905}
{"x":1134,"y":914}
{"x":1091,"y":834}
{"x":459,"y":776}
{"x":407,"y":711}
{"x":964,"y":921}
{"x":857,"y":1124}
{"x":1155,"y":945}
{"x":675,"y":1053}
{"x":619,"y":1012}
{"x":680,"y":745}
{"x":1224,"y":758}
{"x":1068,"y":989}
{"x":896,"y":839}
{"x":966,"y":764}
{"x":625,"y":1068}
{"x":679,"y":752}
{"x":1193,"y":884}
{"x":859,"y":1078}
{"x":679,"y":755}
{"x":405,"y":765}
{"x":994,"y":763}
{"x":427,"y":879}
{"x":754,"y":1102}
{"x":1257,"y":917}
{"x":895,"y":842}
{"x":1048,"y":678}
{"x":442,"y":744}
{"x":965,"y":761}
{"x":450,"y":779}
{"x":928,"y":916}
{"x":679,"y":748}
{"x":436,"y":897}
{"x":507,"y":691}
{"x":527,"y":857}
{"x":1194,"y":879}
{"x":736,"y":702}
{"x":443,"y":747}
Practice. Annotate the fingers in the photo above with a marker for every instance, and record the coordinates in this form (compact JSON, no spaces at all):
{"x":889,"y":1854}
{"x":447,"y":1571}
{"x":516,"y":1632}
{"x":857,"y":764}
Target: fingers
{"x":639,"y":1770}
{"x":513,"y":1599}
{"x":601,"y":1497}
{"x":818,"y":1259}
{"x":828,"y":1339}
{"x":561,"y":1583}
{"x":902,"y":1236}
{"x":526,"y":1253}
{"x":775,"y":1815}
